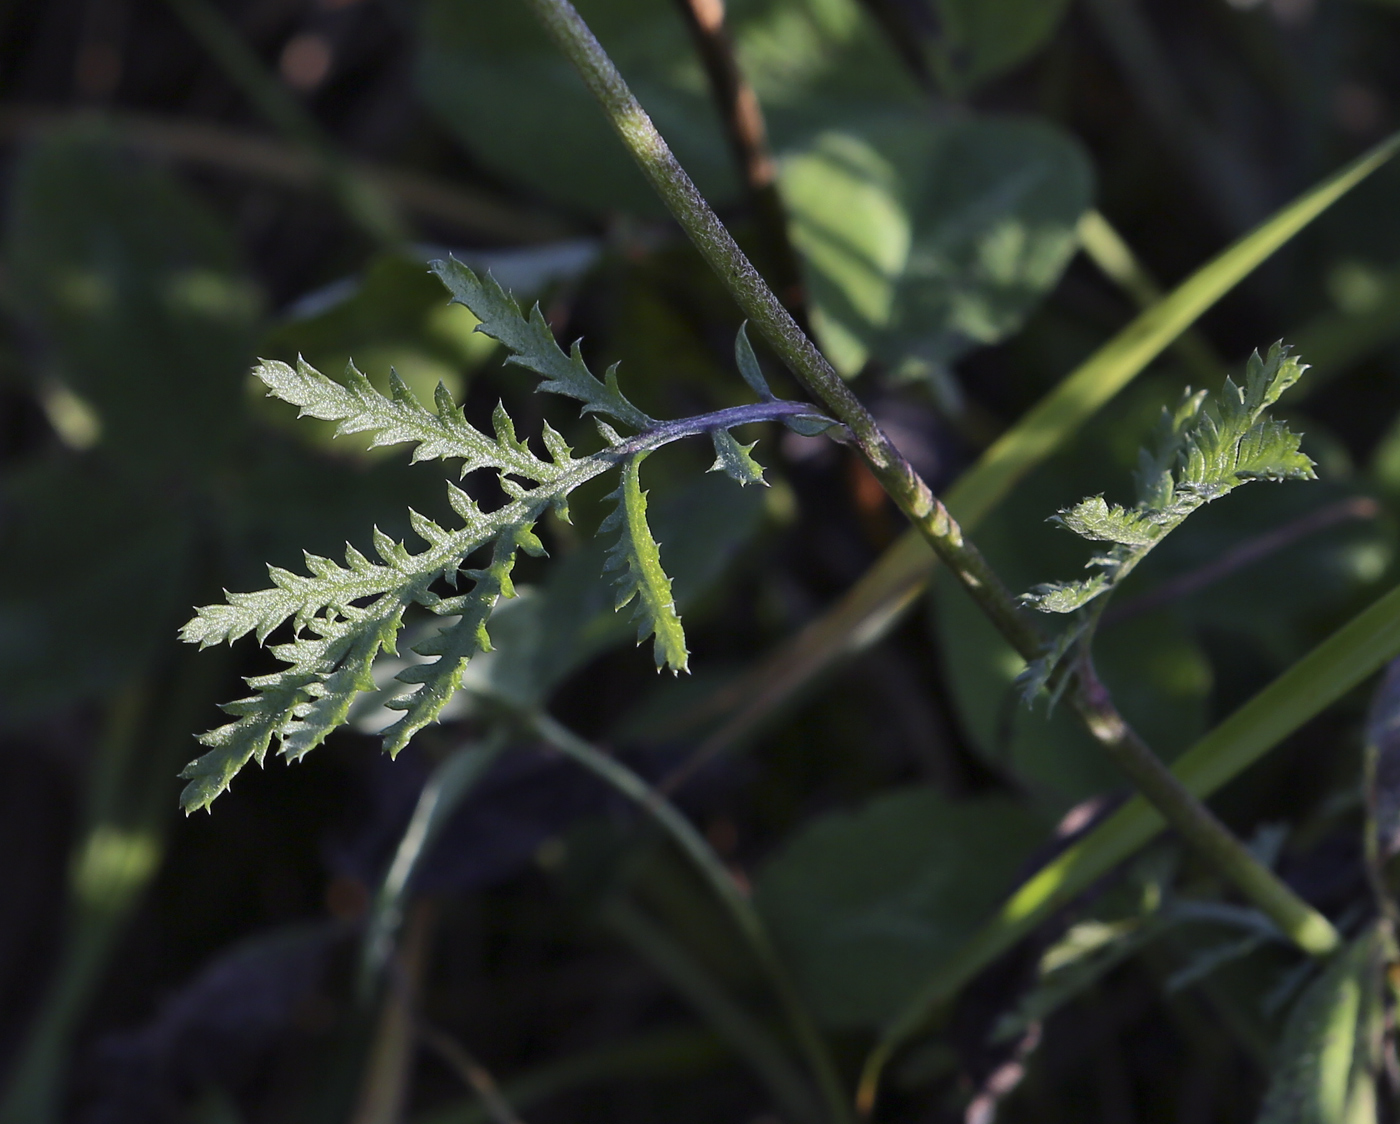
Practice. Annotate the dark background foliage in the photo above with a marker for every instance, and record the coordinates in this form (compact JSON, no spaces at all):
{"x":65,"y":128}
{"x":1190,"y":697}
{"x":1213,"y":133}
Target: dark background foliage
{"x":167,"y":221}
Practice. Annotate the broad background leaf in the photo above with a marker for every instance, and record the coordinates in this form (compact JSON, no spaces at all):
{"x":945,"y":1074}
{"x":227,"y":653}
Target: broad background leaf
{"x":488,"y":71}
{"x":865,"y":904}
{"x":924,"y":240}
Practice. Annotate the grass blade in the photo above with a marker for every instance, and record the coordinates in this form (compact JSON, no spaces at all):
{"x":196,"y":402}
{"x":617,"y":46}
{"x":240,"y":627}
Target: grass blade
{"x":451,"y":782}
{"x":1316,"y":681}
{"x":875,"y":603}
{"x":746,"y":919}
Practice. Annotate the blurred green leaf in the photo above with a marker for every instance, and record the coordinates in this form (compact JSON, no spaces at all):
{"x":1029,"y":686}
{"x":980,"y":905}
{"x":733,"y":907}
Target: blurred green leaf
{"x":922,"y":241}
{"x":489,"y":73}
{"x":91,"y":584}
{"x":395,"y":314}
{"x":1159,"y":677}
{"x":137,"y":294}
{"x":977,"y":40}
{"x":865,"y":904}
{"x":1321,"y":1070}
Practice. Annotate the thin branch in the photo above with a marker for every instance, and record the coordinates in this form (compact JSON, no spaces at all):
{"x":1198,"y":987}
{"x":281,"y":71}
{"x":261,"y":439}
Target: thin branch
{"x":1194,"y":820}
{"x":713,"y":870}
{"x":750,"y":1039}
{"x":1246,"y":554}
{"x":748,"y":138}
{"x":473,"y":1074}
{"x":1002,"y":1081}
{"x":260,"y":157}
{"x":363,"y":202}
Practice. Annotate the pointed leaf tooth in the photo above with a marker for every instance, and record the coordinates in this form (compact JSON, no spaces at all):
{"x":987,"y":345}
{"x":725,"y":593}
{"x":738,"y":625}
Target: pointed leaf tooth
{"x":466,"y":508}
{"x":734,"y":459}
{"x":747,"y":362}
{"x":402,"y":393}
{"x":609,"y":380}
{"x":557,"y":447}
{"x":443,"y":401}
{"x":321,"y":567}
{"x":505,"y":428}
{"x":282,"y":579}
{"x":426,"y":529}
{"x":386,"y":548}
{"x":357,"y":561}
{"x":609,"y":434}
{"x":355,"y":379}
{"x":529,"y":542}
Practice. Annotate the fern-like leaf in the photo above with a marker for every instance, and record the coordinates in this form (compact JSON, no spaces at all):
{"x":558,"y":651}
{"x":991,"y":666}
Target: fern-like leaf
{"x":344,"y":616}
{"x":534,"y":345}
{"x":456,"y":644}
{"x":401,"y":418}
{"x":1203,"y":451}
{"x":1200,"y":452}
{"x":637,"y":559}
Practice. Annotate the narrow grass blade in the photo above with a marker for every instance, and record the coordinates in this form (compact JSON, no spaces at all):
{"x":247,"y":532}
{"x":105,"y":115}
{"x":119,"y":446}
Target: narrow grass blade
{"x":450,"y":783}
{"x":889,"y":587}
{"x":750,"y":1039}
{"x":679,"y":1052}
{"x":1333,"y":668}
{"x":746,"y":919}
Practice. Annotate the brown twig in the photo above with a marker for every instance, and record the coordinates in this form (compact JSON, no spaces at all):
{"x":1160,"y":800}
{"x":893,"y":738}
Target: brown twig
{"x":748,"y":138}
{"x":260,"y":157}
{"x":1002,"y":1081}
{"x":475,"y":1075}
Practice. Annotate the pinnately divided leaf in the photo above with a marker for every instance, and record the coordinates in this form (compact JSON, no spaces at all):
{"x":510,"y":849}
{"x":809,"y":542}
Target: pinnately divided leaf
{"x":342,"y":617}
{"x":1202,"y":452}
{"x":1199,"y":453}
{"x":637,"y":559}
{"x":458,"y":642}
{"x":534,"y":346}
{"x":400,"y":418}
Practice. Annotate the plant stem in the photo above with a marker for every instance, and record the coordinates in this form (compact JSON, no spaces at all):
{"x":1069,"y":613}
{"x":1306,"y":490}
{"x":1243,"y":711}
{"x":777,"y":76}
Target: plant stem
{"x":898,"y":477}
{"x":260,"y":157}
{"x":791,"y":1092}
{"x":473,"y":1074}
{"x":745,"y":917}
{"x":758,"y":302}
{"x":748,"y":137}
{"x":1194,"y":821}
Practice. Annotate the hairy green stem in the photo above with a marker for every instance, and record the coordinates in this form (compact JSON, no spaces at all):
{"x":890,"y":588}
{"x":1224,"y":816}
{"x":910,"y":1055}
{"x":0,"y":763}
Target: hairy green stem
{"x":713,"y":870}
{"x":1194,"y":821}
{"x":758,"y":302}
{"x":895,"y":474}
